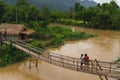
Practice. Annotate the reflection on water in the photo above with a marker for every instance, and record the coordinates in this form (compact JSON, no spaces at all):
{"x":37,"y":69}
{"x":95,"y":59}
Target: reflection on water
{"x":104,"y":47}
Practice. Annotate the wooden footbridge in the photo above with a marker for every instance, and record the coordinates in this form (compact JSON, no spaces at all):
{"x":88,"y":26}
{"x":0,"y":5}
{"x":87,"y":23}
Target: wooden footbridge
{"x":100,"y":68}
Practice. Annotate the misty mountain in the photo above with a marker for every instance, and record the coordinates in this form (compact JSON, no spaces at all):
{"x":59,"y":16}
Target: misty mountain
{"x":62,"y":5}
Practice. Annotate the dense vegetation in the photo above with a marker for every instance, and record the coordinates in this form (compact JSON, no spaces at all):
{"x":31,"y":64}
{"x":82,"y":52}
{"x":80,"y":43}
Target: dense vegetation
{"x":102,"y":16}
{"x":105,"y":16}
{"x":55,"y":36}
{"x":38,"y":20}
{"x":10,"y":55}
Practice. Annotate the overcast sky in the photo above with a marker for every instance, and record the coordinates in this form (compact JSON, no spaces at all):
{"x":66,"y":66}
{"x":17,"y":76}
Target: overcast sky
{"x":102,"y":1}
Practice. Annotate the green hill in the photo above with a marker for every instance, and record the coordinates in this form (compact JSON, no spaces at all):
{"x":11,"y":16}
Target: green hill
{"x":61,"y":5}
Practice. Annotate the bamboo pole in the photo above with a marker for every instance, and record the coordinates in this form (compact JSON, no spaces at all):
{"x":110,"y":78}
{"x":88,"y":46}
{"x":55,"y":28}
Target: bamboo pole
{"x":30,"y":64}
{"x":36,"y":62}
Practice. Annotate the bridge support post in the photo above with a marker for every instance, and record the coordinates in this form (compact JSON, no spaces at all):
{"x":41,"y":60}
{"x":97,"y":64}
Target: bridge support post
{"x":73,"y":61}
{"x":63,"y":61}
{"x":110,"y":67}
{"x":92,"y":66}
{"x":50,"y":58}
{"x":36,"y":63}
{"x":77,"y":65}
{"x":30,"y":64}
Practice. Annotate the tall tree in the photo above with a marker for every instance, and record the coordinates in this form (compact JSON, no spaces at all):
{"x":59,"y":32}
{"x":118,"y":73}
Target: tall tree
{"x":33,"y":13}
{"x":78,"y":7}
{"x":112,"y":7}
{"x":2,"y":10}
{"x":45,"y":13}
{"x":115,"y":21}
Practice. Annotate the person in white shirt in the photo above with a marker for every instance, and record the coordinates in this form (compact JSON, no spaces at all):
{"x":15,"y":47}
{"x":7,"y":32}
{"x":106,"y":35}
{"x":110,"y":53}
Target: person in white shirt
{"x":81,"y":61}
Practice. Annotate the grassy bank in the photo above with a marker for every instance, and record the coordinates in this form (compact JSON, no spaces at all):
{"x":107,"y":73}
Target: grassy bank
{"x":70,"y":22}
{"x":10,"y":55}
{"x":55,"y":36}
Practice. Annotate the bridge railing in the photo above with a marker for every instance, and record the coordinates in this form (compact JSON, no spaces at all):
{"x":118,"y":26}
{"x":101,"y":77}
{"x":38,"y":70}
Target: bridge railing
{"x":110,"y":66}
{"x":40,"y":49}
{"x":29,"y":48}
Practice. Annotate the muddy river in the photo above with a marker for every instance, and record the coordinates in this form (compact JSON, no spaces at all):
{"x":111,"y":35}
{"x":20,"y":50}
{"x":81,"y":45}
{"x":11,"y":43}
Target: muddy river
{"x":104,"y":47}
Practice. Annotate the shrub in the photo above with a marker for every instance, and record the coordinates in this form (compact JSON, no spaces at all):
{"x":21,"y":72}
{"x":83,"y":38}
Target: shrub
{"x":37,"y":43}
{"x":11,"y":55}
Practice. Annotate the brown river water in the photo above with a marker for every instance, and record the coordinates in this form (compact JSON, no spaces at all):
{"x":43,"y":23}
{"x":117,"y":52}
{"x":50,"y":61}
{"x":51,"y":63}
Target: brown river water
{"x":104,"y":47}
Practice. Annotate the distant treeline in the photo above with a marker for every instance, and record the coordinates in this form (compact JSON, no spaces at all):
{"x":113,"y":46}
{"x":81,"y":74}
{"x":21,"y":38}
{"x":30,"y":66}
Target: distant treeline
{"x":60,"y":5}
{"x":105,"y":16}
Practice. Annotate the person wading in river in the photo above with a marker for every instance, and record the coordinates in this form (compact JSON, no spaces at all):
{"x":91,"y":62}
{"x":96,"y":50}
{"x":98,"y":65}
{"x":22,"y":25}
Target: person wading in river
{"x":86,"y":62}
{"x":81,"y":61}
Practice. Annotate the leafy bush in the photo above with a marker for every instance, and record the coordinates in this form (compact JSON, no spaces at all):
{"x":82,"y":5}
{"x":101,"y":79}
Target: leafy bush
{"x":57,"y":40}
{"x":44,"y":23}
{"x":11,"y":55}
{"x":37,"y":43}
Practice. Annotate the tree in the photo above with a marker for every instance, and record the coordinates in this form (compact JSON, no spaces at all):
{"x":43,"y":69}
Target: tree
{"x":57,"y":15}
{"x":2,"y":10}
{"x":45,"y":14}
{"x":115,"y":21}
{"x":112,"y":7}
{"x":10,"y":15}
{"x":101,"y":20}
{"x":22,"y":2}
{"x":33,"y":13}
{"x":78,"y":10}
{"x":78,"y":7}
{"x":98,"y":5}
{"x":87,"y":15}
{"x":21,"y":14}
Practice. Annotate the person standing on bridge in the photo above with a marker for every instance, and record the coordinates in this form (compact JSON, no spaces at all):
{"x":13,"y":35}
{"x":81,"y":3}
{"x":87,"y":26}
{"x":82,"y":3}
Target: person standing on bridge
{"x":81,"y":61}
{"x":86,"y":62}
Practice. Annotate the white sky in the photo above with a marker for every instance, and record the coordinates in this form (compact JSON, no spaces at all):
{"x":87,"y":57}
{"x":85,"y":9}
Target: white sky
{"x":103,"y":1}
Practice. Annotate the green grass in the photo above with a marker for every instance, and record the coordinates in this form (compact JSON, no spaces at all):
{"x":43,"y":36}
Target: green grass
{"x":55,"y":36}
{"x":70,"y":22}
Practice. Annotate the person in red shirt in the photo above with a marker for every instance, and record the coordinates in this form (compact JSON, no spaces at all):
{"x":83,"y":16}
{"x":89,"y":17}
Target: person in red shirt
{"x":86,"y":62}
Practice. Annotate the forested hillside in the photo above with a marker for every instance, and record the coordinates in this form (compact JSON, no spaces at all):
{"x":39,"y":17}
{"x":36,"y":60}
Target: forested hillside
{"x":62,"y":5}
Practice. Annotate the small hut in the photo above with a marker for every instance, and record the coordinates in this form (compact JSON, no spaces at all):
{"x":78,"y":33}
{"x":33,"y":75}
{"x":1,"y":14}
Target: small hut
{"x":16,"y":31}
